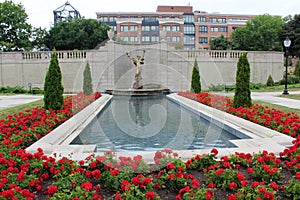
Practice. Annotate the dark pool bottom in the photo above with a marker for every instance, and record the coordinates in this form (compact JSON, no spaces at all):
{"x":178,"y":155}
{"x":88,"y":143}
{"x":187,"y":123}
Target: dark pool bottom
{"x":151,"y":123}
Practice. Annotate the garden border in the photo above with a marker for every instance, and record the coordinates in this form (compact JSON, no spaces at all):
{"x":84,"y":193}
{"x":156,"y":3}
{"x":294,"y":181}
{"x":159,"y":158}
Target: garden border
{"x":262,"y":138}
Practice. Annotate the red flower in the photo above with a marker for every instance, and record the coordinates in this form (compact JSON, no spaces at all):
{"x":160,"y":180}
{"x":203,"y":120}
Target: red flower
{"x":195,"y":183}
{"x":211,"y":185}
{"x":274,"y":186}
{"x":250,"y":170}
{"x":96,"y":173}
{"x":170,"y":166}
{"x":150,"y":195}
{"x":87,"y":186}
{"x":209,"y":195}
{"x":51,"y":189}
{"x":240,"y":176}
{"x":214,"y":152}
{"x":114,"y":172}
{"x":231,"y":197}
{"x":232,"y":185}
{"x":297,"y":175}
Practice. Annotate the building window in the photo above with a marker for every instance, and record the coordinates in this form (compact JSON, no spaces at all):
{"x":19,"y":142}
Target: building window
{"x":222,"y":20}
{"x":124,"y":28}
{"x":167,"y":28}
{"x":145,"y":28}
{"x":168,"y":39}
{"x":202,"y":19}
{"x":112,"y":19}
{"x":203,"y":40}
{"x":175,"y":39}
{"x":114,"y":28}
{"x":154,"y":38}
{"x":104,"y":19}
{"x":133,"y":39}
{"x":133,"y":28}
{"x":203,"y":29}
{"x":124,"y":39}
{"x":223,"y":29}
{"x":214,"y":29}
{"x":189,"y":40}
{"x":153,"y":28}
{"x":146,"y":39}
{"x":189,"y":30}
{"x":213,"y":20}
{"x":175,"y":28}
{"x":188,"y":18}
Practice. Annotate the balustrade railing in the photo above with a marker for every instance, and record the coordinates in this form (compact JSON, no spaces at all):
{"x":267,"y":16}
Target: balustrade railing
{"x":60,"y":55}
{"x":215,"y":54}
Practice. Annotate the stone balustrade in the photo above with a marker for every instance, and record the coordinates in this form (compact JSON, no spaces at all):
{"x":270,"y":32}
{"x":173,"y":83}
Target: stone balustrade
{"x":60,"y":54}
{"x":215,"y":54}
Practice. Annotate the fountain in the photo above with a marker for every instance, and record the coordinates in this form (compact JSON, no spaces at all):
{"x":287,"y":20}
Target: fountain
{"x":138,"y":88}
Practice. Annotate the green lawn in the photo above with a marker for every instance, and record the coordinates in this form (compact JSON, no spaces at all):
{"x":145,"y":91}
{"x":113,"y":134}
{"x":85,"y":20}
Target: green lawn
{"x":279,"y":88}
{"x":282,"y":108}
{"x":292,"y":96}
{"x":20,"y":108}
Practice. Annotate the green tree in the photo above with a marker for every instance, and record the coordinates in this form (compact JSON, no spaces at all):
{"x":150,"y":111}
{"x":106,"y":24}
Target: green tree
{"x":270,"y":81}
{"x":87,"y":80}
{"x":196,"y":83}
{"x":292,"y":29}
{"x":242,"y":93}
{"x":15,"y":32}
{"x":261,"y":33}
{"x":220,"y":43}
{"x":77,"y":34}
{"x":53,"y":88}
{"x":297,"y":69}
{"x":38,"y":37}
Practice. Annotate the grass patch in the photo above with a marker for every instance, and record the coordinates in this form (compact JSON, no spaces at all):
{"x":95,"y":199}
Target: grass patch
{"x":278,"y":88}
{"x":278,"y":107}
{"x":292,"y":96}
{"x":20,"y":108}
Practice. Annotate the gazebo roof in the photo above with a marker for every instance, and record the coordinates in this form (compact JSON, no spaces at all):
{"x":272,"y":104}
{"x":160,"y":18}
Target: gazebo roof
{"x":66,"y":7}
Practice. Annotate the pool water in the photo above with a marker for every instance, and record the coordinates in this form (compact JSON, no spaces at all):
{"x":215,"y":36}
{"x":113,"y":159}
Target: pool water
{"x":151,"y":123}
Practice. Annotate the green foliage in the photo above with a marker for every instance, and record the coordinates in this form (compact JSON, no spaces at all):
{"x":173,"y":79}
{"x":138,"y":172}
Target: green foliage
{"x":242,"y":93}
{"x":261,"y":33}
{"x":196,"y":84}
{"x":77,"y":34}
{"x":292,"y":26}
{"x":256,"y":86}
{"x":14,"y":90}
{"x":297,"y":69}
{"x":293,"y":189}
{"x":270,"y":81}
{"x":53,"y":88}
{"x":290,"y":80}
{"x":87,"y":80}
{"x":14,"y":30}
{"x":38,"y":38}
{"x":220,"y":43}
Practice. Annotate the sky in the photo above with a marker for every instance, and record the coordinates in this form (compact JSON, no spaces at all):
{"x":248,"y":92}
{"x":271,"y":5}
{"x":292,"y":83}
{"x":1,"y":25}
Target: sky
{"x":40,"y":12}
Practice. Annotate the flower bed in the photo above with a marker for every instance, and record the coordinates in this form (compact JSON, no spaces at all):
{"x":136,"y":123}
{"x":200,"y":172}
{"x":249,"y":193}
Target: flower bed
{"x":37,"y":176}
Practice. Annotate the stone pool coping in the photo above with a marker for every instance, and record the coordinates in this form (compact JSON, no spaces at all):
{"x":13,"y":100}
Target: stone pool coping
{"x":262,"y":138}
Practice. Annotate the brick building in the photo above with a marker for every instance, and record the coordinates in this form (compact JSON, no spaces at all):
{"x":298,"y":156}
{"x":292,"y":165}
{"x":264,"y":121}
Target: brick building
{"x":180,"y":26}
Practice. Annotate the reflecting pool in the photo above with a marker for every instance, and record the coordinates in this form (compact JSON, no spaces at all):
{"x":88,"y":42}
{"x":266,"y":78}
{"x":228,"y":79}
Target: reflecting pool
{"x":151,"y":123}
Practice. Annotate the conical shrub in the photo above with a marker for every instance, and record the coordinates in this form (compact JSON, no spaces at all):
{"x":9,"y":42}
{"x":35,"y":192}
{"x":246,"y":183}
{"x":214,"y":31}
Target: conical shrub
{"x":242,"y":93}
{"x":53,"y":88}
{"x":196,"y":83}
{"x":87,"y":80}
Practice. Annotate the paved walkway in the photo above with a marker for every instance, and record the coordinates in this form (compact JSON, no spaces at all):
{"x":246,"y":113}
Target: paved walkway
{"x":273,"y":97}
{"x":7,"y":101}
